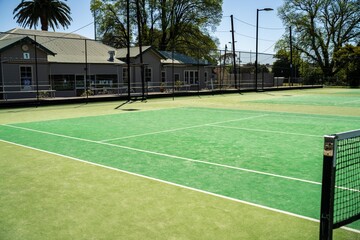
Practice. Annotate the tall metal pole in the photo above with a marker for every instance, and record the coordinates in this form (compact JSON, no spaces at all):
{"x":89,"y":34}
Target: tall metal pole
{"x":173,"y":69}
{"x":95,"y":26}
{"x":257,"y":43}
{"x":2,"y":79}
{"x":239,"y":72}
{"x":221,"y":82}
{"x":142,"y":71}
{"x":291,"y":58}
{"x":233,"y":50}
{"x":36,"y":71}
{"x":87,"y":82}
{"x":128,"y":45}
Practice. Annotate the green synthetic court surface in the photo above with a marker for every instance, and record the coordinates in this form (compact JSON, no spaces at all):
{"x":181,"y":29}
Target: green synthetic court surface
{"x":219,"y":167}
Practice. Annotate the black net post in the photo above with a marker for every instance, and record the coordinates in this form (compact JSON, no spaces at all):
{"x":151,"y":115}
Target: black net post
{"x":328,"y":185}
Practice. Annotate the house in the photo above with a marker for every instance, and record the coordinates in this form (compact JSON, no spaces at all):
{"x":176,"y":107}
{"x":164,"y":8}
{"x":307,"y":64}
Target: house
{"x":151,"y":64}
{"x":51,"y":64}
{"x":165,"y":70}
{"x":185,"y":72}
{"x":59,"y":63}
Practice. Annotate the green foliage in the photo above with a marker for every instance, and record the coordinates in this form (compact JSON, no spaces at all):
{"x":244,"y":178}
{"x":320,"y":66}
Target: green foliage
{"x":111,"y":22}
{"x":44,"y":94}
{"x":311,"y":74}
{"x":182,"y":26}
{"x":49,"y":12}
{"x":178,"y":84}
{"x":321,"y":28}
{"x":87,"y":92}
{"x":349,"y":57}
{"x":247,"y":68}
{"x":281,"y":67}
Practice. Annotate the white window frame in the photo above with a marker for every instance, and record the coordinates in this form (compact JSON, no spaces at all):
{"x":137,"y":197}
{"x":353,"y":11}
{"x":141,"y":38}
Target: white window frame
{"x":191,"y":77}
{"x":177,"y":77}
{"x":148,"y":78}
{"x":125,"y":75}
{"x":28,"y":86}
{"x":163,"y":76}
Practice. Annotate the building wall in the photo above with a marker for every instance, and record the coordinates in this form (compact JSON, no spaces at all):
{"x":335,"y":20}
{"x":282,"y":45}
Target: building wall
{"x":179,"y":73}
{"x":151,"y":61}
{"x":69,"y":79}
{"x":14,"y":64}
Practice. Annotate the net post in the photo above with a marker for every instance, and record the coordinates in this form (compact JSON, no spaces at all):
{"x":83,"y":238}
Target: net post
{"x":327,"y":191}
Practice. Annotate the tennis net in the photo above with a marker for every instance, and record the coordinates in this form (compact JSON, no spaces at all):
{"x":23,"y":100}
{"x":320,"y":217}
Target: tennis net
{"x":340,"y":198}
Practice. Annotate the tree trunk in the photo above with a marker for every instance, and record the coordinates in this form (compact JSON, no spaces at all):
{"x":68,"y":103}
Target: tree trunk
{"x":44,"y":23}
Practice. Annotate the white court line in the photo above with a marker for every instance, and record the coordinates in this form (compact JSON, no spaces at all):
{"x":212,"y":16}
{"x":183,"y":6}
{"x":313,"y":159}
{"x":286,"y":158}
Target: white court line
{"x":169,"y":155}
{"x":357,"y":100}
{"x":267,"y":131}
{"x":178,"y":157}
{"x":183,"y":128}
{"x":288,"y":114}
{"x":179,"y":185}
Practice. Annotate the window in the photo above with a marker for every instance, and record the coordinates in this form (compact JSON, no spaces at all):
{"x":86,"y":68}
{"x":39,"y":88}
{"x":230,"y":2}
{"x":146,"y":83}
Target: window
{"x":106,"y":80}
{"x":148,"y":74}
{"x":63,"y":82}
{"x":163,"y":76}
{"x":80,"y":81}
{"x":205,"y":76}
{"x":191,"y":77}
{"x":125,"y":75}
{"x":177,"y":77}
{"x":26,"y":77}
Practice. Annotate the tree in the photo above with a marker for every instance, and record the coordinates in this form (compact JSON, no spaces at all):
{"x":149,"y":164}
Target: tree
{"x":322,"y":28}
{"x":349,"y":56}
{"x":49,"y":12}
{"x":180,"y":25}
{"x":112,"y":22}
{"x":281,"y":67}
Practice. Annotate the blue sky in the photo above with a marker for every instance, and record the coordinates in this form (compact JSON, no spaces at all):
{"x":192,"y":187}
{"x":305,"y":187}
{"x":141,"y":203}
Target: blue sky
{"x":244,"y":12}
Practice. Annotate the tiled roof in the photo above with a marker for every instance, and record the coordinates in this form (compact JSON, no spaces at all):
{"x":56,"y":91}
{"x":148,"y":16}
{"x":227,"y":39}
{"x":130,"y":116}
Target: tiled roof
{"x":69,"y":48}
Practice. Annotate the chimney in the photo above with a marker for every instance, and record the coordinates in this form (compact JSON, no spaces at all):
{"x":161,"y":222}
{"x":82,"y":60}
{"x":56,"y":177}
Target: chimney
{"x":111,"y":55}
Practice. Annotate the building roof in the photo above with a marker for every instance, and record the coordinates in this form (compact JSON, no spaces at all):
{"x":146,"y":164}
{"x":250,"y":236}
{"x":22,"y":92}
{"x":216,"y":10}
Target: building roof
{"x":180,"y":58}
{"x":11,"y":42}
{"x":135,"y":52}
{"x":166,"y":57}
{"x":68,"y":47}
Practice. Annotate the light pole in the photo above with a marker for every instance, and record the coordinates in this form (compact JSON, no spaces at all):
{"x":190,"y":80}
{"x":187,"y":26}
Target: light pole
{"x":257,"y":42}
{"x":234,"y":62}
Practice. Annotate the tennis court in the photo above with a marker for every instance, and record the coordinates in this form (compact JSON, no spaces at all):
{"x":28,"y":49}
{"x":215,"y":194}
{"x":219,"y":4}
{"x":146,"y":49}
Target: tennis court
{"x":245,"y":149}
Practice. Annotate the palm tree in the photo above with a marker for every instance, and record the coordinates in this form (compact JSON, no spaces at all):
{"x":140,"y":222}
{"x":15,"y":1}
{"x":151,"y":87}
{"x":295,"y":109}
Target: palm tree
{"x":50,"y":13}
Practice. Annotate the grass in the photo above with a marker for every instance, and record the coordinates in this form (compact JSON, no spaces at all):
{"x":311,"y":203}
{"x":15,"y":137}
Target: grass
{"x":49,"y":196}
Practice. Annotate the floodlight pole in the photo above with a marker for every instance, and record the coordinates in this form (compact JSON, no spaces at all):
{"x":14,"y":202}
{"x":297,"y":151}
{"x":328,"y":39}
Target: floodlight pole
{"x":291,"y":58}
{"x":233,"y":49}
{"x":128,"y":46}
{"x":257,"y":43}
{"x":36,"y":72}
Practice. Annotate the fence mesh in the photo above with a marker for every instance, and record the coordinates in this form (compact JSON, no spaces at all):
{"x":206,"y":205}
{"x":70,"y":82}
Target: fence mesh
{"x":45,"y":65}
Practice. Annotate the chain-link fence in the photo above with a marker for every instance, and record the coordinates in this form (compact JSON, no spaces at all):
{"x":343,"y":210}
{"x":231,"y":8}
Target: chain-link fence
{"x":48,"y":65}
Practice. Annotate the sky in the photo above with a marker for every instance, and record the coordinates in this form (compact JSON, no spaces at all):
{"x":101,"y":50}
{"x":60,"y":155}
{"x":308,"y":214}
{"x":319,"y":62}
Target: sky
{"x":271,"y":28}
